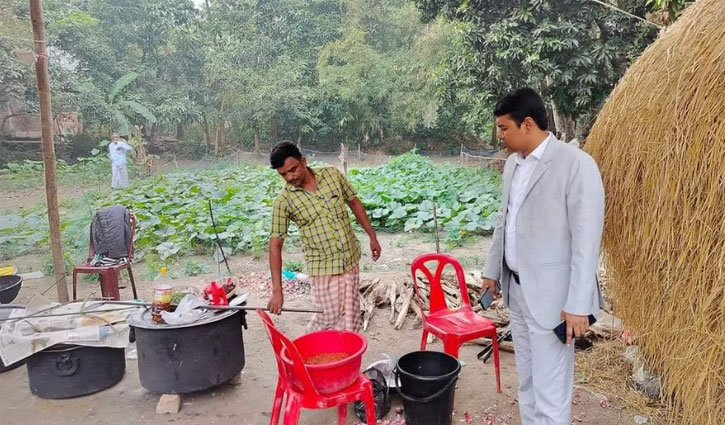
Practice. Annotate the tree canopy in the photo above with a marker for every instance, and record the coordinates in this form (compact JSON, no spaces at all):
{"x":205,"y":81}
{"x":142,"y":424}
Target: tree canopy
{"x":244,"y":72}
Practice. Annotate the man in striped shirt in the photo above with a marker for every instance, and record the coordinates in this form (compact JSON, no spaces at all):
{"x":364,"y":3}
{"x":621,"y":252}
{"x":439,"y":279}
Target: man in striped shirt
{"x":316,"y":200}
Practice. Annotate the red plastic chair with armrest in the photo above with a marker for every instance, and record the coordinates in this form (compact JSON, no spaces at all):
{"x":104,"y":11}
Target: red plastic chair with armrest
{"x":307,"y":396}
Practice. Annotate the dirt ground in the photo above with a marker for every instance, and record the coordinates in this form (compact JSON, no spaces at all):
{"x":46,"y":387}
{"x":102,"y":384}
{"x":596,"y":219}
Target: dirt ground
{"x":249,"y":403}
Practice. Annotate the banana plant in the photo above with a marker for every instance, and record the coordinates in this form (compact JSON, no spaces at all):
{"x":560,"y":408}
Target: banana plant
{"x":123,"y":109}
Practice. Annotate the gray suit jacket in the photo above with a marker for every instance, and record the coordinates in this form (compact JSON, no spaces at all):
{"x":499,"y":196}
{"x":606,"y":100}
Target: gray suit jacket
{"x":559,"y":230}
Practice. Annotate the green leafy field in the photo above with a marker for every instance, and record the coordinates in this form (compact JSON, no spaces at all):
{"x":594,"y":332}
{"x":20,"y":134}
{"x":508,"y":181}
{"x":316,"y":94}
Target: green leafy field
{"x":174,"y":217}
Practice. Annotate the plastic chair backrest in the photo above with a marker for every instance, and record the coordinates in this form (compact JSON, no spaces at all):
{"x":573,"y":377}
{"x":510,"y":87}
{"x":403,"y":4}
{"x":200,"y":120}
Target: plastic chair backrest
{"x":437,"y":296}
{"x":92,"y":248}
{"x":298,"y":369}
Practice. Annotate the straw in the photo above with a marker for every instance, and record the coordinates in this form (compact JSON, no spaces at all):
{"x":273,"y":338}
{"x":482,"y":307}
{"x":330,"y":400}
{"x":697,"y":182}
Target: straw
{"x":660,"y":144}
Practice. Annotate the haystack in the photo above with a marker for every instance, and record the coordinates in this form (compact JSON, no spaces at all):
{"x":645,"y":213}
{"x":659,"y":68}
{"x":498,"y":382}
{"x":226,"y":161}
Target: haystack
{"x":660,"y":143}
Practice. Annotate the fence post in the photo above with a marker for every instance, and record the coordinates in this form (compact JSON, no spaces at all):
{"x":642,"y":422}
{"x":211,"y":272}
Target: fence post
{"x":343,"y":157}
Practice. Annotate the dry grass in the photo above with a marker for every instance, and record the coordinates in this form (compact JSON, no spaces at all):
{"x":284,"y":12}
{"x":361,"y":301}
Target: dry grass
{"x":660,"y":143}
{"x":605,"y":371}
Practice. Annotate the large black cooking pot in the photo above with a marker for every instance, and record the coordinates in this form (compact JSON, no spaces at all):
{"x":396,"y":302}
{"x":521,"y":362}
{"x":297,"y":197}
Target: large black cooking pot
{"x":65,"y":371}
{"x":9,"y":288}
{"x":187,"y":358}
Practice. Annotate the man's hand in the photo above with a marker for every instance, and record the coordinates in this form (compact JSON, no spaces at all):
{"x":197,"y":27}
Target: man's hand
{"x":491,"y":285}
{"x":576,"y":326}
{"x":375,"y":248}
{"x":275,"y":303}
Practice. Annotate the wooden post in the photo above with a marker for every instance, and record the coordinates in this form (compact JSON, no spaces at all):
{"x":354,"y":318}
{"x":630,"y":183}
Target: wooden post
{"x":359,"y":153}
{"x":343,"y":157}
{"x":461,"y":154}
{"x":256,"y":140}
{"x":46,"y":121}
{"x":435,"y":223}
{"x":219,"y":131}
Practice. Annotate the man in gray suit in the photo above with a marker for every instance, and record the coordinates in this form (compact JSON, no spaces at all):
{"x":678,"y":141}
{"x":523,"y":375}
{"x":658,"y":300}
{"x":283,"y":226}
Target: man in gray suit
{"x":545,"y":253}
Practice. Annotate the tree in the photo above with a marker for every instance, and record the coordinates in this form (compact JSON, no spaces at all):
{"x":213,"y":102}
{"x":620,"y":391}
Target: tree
{"x":123,"y":109}
{"x":17,"y":82}
{"x":673,"y":8}
{"x":233,"y":71}
{"x":572,"y":51}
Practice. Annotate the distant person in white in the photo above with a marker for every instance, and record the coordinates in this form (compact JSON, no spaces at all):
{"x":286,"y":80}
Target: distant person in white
{"x":545,"y":252}
{"x":117,"y":153}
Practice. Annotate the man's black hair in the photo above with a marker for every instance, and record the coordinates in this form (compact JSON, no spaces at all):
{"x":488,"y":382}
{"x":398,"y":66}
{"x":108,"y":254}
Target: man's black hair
{"x":281,"y":151}
{"x":522,"y":103}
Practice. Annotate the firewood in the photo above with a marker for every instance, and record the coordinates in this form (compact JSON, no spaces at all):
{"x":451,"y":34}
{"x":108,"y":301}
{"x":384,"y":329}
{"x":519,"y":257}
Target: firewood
{"x":368,"y":308}
{"x":380,"y":293}
{"x":506,"y":346}
{"x":404,"y":309}
{"x":391,"y":296}
{"x":450,"y":290}
{"x":417,"y":309}
{"x":474,"y":287}
{"x":368,"y":285}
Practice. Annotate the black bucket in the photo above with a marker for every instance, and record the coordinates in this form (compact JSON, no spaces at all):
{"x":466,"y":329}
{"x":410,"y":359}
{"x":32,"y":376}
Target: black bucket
{"x":426,"y":381}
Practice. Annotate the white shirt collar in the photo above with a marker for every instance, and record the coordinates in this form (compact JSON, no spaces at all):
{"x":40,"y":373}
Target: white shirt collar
{"x":537,"y":153}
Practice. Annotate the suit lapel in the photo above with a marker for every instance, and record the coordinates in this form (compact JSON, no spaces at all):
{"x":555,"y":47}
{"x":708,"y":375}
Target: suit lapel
{"x":508,"y":174}
{"x":542,"y":166}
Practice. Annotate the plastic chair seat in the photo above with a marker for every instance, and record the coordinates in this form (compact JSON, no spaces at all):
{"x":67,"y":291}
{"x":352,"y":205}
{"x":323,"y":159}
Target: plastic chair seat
{"x":465,"y":324}
{"x":354,"y":392}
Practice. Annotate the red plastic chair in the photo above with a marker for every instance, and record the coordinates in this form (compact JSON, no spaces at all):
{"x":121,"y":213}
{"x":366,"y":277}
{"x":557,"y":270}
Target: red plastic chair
{"x":307,"y":396}
{"x":108,"y":275}
{"x":453,"y":327}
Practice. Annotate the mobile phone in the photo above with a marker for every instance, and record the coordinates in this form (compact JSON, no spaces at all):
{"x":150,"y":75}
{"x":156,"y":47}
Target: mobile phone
{"x":487,"y":297}
{"x":560,"y":329}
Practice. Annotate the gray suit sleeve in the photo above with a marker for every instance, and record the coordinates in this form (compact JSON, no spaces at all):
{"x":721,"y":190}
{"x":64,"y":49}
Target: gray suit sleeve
{"x":492,"y":269}
{"x":585,"y":210}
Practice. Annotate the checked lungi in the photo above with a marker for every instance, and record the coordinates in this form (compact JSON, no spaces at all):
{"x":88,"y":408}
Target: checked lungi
{"x":339,"y":298}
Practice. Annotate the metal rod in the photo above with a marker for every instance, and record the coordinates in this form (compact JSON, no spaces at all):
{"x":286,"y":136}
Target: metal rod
{"x":63,"y":314}
{"x":218,"y":307}
{"x":136,"y":304}
{"x":216,"y":235}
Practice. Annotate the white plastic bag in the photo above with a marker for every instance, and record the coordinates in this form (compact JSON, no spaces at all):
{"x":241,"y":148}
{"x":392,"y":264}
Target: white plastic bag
{"x":387,"y":368}
{"x":186,"y":312}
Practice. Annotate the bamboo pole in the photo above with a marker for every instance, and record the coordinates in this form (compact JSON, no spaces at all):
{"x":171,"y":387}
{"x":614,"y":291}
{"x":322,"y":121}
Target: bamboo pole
{"x":46,"y":116}
{"x":435,"y":221}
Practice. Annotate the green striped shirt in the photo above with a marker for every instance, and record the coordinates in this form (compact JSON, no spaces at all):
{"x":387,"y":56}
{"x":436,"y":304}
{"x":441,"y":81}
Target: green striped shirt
{"x":328,"y":242}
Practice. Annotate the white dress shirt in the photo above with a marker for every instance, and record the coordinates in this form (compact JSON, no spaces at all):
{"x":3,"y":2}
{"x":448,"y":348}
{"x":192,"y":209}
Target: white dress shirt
{"x":520,"y":181}
{"x":117,"y":152}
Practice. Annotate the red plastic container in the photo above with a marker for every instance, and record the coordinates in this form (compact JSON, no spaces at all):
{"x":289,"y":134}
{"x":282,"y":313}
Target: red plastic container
{"x":330,"y":377}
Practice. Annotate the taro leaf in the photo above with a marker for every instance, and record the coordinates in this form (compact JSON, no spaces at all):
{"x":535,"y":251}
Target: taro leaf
{"x":399,"y":212}
{"x":167,"y":249}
